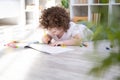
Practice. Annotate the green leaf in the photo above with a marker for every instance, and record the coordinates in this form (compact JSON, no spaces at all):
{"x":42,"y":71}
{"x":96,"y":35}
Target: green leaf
{"x":65,"y":3}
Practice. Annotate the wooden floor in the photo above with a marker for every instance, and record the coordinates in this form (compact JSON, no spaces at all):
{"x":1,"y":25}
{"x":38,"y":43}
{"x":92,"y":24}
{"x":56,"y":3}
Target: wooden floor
{"x":28,"y":64}
{"x":73,"y":65}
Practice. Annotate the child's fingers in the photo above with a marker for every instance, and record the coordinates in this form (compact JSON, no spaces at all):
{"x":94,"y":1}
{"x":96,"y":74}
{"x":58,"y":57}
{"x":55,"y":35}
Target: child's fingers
{"x":53,"y":44}
{"x":56,"y":44}
{"x":46,"y":39}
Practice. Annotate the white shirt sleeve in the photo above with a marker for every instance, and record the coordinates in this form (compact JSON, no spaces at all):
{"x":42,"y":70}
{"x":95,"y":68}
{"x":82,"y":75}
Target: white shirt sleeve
{"x":84,"y":32}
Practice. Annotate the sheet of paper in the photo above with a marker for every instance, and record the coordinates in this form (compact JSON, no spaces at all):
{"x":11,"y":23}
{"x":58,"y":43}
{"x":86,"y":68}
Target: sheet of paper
{"x":50,"y":49}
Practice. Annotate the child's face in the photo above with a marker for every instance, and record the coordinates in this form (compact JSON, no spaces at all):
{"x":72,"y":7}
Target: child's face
{"x":55,"y":31}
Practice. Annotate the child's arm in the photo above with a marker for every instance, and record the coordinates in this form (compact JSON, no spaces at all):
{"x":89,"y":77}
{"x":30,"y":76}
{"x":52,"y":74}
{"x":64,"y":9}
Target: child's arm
{"x":74,"y":41}
{"x":46,"y":39}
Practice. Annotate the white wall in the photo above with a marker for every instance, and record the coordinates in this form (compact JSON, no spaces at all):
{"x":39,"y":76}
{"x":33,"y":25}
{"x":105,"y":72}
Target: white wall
{"x":9,"y":11}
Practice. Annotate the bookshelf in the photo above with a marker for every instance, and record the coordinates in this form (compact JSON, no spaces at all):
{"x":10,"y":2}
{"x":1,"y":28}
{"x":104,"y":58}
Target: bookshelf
{"x":89,"y":10}
{"x":29,"y":12}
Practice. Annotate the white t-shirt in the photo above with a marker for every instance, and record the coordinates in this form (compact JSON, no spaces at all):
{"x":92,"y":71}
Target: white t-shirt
{"x":85,"y":33}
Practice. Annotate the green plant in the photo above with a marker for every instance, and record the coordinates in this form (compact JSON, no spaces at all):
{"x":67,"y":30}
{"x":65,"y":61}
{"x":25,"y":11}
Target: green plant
{"x":109,"y":30}
{"x":65,"y":3}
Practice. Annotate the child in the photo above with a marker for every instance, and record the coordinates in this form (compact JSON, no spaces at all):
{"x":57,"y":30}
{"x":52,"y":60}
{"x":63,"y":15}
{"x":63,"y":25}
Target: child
{"x":59,"y":28}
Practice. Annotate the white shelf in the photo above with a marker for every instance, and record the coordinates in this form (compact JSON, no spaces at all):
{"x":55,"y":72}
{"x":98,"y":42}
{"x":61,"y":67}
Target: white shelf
{"x":90,"y":8}
{"x":115,"y":4}
{"x":79,"y":4}
{"x":29,"y":12}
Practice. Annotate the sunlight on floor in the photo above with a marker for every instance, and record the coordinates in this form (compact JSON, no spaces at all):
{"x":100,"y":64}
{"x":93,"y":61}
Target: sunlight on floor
{"x":14,"y":66}
{"x":19,"y":33}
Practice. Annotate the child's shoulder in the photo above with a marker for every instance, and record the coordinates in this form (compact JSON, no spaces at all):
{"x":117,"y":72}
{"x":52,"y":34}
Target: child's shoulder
{"x":76,"y":25}
{"x":72,"y":23}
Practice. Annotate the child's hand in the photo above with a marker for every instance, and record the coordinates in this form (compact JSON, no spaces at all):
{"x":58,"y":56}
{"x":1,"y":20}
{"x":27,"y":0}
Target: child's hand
{"x":57,"y":43}
{"x":46,"y":39}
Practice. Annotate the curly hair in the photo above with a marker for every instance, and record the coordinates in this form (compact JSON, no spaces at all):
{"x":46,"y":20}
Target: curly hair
{"x":55,"y":17}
